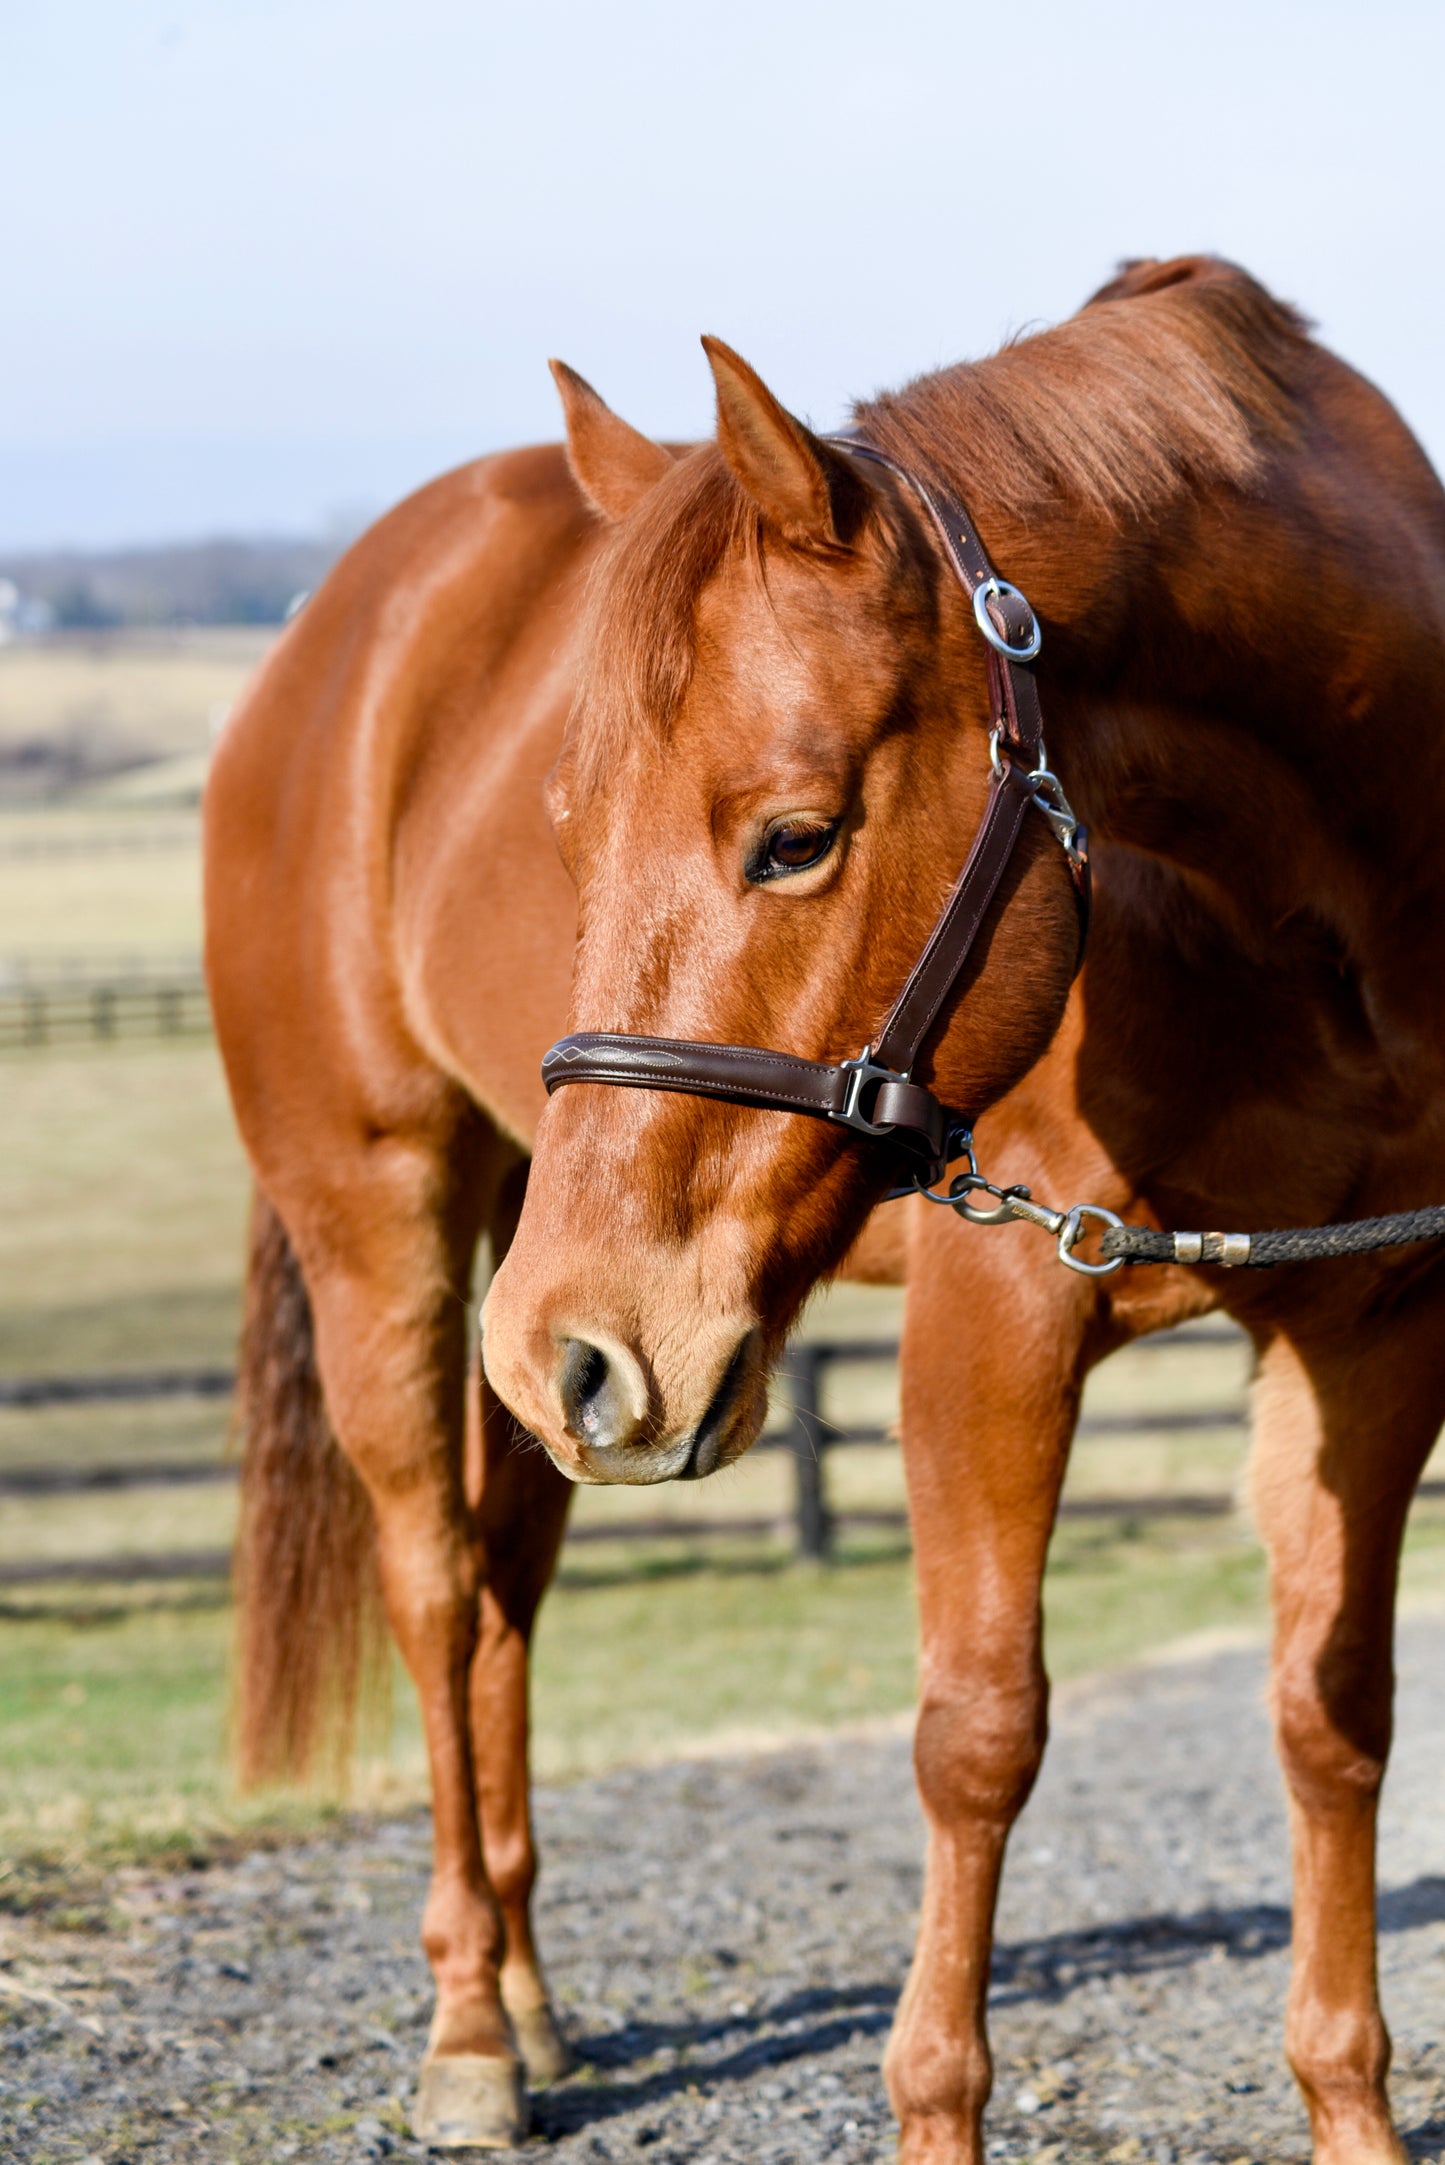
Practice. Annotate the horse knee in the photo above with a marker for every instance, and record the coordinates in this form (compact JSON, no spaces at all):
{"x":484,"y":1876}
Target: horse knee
{"x":978,"y":1746}
{"x":1332,"y":1722}
{"x":431,"y":1605}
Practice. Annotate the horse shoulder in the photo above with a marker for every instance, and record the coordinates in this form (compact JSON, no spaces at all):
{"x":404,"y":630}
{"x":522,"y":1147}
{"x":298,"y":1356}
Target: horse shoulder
{"x":399,"y":727}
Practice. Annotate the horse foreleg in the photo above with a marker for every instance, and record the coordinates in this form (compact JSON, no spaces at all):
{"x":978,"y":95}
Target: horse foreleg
{"x":990,"y":1366}
{"x":1342,"y":1432}
{"x":521,"y":1507}
{"x":391,"y":1345}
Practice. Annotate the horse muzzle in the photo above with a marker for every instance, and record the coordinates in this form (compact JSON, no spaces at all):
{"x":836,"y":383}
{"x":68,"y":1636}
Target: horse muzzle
{"x":605,"y":1416}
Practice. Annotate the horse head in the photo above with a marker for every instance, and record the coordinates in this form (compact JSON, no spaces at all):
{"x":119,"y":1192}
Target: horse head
{"x":777,"y":759}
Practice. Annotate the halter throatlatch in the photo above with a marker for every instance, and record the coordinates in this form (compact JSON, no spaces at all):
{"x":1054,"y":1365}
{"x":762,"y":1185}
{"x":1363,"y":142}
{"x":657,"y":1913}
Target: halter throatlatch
{"x":874,"y":1094}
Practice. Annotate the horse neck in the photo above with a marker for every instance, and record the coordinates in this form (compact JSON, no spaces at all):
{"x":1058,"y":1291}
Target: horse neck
{"x":1253,"y":697}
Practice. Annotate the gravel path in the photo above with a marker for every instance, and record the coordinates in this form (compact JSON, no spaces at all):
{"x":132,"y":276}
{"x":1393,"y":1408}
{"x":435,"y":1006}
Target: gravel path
{"x":727,"y":1939}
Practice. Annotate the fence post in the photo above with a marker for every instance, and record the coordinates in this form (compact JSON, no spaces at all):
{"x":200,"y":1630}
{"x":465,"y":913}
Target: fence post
{"x":815,"y":1526}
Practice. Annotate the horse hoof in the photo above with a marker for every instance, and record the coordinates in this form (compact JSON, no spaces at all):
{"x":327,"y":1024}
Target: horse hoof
{"x":545,"y":2052}
{"x":470,"y":2101}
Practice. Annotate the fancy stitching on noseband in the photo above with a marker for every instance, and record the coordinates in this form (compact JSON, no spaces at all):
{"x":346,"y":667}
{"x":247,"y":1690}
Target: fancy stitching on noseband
{"x":874,"y":1095}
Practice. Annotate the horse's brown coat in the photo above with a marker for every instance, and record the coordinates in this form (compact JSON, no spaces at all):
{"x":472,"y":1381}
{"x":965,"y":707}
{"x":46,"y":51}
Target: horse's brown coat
{"x":1238,"y":555}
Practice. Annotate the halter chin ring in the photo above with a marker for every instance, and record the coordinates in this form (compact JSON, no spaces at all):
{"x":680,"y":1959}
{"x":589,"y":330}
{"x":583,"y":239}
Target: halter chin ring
{"x":997,"y":589}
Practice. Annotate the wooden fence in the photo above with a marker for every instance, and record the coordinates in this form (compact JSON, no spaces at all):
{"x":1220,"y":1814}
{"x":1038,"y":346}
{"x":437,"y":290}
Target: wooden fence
{"x":69,"y":1008}
{"x":108,"y":839}
{"x":806,"y":1434}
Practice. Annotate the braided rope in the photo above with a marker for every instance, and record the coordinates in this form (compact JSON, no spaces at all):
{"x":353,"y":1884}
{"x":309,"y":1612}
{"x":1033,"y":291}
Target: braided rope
{"x":1304,"y":1244}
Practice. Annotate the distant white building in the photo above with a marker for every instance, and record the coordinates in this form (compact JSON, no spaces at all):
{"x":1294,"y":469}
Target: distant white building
{"x":21,"y":613}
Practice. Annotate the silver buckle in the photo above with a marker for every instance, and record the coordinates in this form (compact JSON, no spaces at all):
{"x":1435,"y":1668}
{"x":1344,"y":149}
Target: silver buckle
{"x":1047,"y":792}
{"x":860,"y":1073}
{"x":994,"y":589}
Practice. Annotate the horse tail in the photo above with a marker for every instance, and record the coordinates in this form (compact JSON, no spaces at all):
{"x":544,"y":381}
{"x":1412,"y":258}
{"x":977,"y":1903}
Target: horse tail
{"x":310,"y":1637}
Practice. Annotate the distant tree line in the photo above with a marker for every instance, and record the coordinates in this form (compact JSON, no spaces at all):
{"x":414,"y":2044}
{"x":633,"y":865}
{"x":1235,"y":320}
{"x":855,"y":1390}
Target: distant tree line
{"x":204,"y":582}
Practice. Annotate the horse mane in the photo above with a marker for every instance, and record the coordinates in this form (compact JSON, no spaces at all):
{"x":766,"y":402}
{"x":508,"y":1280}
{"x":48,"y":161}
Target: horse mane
{"x":1174,"y":378}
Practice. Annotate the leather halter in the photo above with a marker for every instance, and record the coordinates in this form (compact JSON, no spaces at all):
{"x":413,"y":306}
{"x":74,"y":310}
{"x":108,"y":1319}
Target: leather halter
{"x":874,"y":1095}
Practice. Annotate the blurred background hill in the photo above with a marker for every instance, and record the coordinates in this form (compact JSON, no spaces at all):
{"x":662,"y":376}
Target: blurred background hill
{"x":125,"y":662}
{"x":221,"y":581}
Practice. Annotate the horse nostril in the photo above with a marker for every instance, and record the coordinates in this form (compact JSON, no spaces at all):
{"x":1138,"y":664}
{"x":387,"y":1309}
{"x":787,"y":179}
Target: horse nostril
{"x":591,"y":1397}
{"x":707,"y":1443}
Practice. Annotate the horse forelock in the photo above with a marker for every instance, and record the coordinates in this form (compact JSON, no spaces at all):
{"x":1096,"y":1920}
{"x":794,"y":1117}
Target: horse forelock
{"x":1173,"y":379}
{"x":639,"y":636}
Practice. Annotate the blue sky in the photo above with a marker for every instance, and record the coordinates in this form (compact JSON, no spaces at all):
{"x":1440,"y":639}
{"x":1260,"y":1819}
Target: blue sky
{"x":266,"y":265}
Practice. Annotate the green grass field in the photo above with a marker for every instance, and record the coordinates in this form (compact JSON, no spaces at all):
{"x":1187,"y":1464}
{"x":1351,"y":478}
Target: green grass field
{"x":122,"y":1204}
{"x":122,"y":1210}
{"x":112,"y":1705}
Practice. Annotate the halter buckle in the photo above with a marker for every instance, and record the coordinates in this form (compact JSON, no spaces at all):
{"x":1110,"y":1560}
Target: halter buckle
{"x":860,"y":1073}
{"x":994,"y":589}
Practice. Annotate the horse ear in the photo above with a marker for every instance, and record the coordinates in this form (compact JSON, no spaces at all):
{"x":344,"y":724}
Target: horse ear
{"x":806,"y":492}
{"x":613,"y":463}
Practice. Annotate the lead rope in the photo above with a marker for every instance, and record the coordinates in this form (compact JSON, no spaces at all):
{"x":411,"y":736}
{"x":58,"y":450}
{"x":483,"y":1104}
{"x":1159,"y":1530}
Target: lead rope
{"x":1123,"y":1243}
{"x":1301,"y":1244}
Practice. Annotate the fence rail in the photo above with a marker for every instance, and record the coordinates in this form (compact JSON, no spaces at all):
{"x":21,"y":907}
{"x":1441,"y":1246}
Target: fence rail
{"x":67,"y":1010}
{"x":807,"y":1435}
{"x":125,"y":1385}
{"x":45,"y":845}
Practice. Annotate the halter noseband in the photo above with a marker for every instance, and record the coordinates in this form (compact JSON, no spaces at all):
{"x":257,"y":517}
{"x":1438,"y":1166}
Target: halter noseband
{"x":874,"y":1095}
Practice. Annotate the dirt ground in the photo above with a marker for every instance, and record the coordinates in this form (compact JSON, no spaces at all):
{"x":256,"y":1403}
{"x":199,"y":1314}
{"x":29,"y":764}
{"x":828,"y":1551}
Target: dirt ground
{"x":727,"y":1940}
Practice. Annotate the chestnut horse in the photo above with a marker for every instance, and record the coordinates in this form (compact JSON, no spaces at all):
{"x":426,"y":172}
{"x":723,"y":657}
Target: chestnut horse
{"x":776,"y":754}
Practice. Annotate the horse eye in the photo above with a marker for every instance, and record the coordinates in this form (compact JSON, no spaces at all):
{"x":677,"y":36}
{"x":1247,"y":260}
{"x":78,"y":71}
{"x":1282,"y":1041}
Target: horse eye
{"x":793,"y":849}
